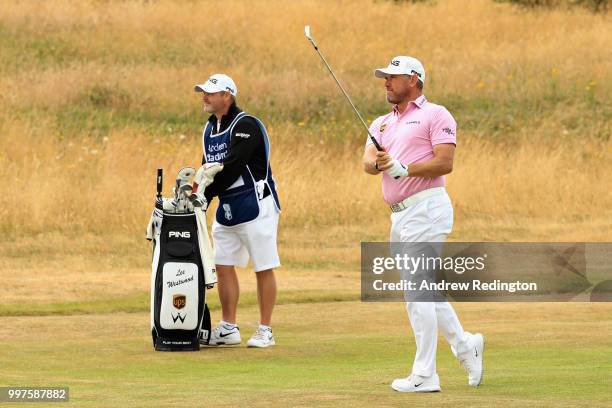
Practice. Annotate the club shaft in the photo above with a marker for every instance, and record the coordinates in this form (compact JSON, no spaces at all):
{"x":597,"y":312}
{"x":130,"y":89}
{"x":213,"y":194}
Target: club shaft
{"x":160,"y":177}
{"x":348,"y":98}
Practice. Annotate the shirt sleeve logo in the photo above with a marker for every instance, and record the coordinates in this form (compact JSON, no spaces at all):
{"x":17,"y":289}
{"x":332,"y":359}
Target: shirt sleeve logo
{"x":449,"y":131}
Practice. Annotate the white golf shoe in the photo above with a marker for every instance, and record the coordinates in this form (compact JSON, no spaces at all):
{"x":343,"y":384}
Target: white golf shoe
{"x":225,"y":335}
{"x":262,"y":338}
{"x":416,"y":383}
{"x":472,"y":359}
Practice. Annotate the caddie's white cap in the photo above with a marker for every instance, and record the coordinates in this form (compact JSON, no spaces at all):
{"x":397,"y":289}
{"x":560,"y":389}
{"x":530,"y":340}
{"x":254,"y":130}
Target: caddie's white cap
{"x":402,"y":65}
{"x":218,"y":83}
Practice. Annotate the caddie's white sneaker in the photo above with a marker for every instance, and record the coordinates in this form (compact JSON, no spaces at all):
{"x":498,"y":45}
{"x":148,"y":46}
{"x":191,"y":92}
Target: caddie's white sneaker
{"x":416,"y":383}
{"x":472,"y":359}
{"x":261,"y":338}
{"x":225,"y":335}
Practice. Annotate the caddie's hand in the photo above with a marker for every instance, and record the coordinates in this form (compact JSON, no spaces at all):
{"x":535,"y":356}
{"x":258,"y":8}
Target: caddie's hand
{"x":383,"y":160}
{"x":397,"y":169}
{"x":206,"y":174}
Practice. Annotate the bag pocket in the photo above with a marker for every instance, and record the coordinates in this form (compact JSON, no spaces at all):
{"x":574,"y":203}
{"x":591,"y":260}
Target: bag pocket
{"x":180,"y":297}
{"x":179,"y":249}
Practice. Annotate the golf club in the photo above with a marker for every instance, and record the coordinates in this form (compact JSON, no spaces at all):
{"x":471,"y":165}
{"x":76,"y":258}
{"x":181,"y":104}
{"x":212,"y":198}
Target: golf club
{"x":312,"y":41}
{"x":159,"y":201}
{"x":185,"y":175}
{"x":183,"y":178}
{"x":186,"y":190}
{"x":177,"y":192}
{"x":160,"y":178}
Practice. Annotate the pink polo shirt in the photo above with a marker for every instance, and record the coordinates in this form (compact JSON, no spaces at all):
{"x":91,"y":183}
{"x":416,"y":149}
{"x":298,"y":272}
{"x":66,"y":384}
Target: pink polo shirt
{"x":409,"y":137}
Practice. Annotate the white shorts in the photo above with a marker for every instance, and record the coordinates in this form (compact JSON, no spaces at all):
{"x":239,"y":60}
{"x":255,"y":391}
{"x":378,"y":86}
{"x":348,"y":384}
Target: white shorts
{"x":430,"y":220}
{"x":257,"y":239}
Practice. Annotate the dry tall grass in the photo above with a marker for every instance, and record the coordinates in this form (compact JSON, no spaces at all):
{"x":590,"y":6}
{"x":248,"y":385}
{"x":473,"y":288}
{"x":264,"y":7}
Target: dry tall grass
{"x":64,"y":63}
{"x":108,"y":185}
{"x":151,"y":53}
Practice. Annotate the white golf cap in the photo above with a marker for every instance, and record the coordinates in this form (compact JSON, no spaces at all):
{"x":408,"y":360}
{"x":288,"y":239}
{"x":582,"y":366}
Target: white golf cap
{"x":402,"y":65}
{"x":218,"y":83}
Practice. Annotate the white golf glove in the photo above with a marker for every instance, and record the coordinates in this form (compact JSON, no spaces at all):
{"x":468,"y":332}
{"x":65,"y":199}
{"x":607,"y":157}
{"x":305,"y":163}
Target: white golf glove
{"x":397,"y":170}
{"x":205,"y":175}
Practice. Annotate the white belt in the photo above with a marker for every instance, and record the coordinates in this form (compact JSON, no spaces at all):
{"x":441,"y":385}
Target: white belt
{"x":417,"y":198}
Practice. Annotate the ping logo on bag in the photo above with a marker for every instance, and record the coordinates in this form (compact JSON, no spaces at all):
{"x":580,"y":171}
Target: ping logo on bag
{"x":179,"y":234}
{"x":179,"y":301}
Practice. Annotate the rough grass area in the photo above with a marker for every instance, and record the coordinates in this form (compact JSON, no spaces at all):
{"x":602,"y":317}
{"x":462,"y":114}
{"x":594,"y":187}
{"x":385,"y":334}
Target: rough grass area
{"x":98,"y":95}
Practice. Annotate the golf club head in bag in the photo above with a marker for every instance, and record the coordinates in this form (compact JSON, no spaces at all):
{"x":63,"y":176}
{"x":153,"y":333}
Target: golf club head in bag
{"x":182,"y":188}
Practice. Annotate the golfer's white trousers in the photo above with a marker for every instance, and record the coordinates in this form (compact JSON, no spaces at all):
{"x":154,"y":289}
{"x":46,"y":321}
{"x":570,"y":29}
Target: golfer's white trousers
{"x":429,"y":220}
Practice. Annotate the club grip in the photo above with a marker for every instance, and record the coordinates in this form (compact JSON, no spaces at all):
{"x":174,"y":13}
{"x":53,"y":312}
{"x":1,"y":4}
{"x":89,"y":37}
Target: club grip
{"x":160,"y":180}
{"x":376,"y":144}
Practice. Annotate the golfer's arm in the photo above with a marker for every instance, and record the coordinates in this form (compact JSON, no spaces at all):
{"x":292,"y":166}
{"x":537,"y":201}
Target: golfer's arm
{"x":441,"y":164}
{"x":369,"y":160}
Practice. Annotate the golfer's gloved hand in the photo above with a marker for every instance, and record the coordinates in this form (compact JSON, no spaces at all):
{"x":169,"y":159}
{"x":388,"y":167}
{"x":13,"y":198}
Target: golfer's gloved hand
{"x":383,"y":160}
{"x":397,"y":169}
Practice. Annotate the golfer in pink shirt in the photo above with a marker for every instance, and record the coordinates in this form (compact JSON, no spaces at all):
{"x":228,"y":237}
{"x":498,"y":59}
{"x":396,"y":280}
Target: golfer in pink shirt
{"x":419,"y":139}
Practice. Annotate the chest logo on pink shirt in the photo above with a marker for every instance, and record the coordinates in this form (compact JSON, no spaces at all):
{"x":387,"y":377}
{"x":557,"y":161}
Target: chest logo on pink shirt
{"x":382,"y":127}
{"x":414,"y":122}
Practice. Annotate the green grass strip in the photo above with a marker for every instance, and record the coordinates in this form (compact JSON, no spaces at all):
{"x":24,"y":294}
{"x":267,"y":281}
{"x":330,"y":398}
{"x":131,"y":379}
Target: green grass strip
{"x":139,"y":302}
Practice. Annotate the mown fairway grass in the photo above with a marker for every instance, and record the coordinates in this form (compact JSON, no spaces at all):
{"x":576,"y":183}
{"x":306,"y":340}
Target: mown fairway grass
{"x":328,"y":354}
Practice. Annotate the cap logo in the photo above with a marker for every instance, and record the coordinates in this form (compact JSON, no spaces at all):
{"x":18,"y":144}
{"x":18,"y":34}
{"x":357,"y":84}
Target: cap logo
{"x":213,"y":80}
{"x":395,"y":63}
{"x":229,"y":89}
{"x":414,"y":72}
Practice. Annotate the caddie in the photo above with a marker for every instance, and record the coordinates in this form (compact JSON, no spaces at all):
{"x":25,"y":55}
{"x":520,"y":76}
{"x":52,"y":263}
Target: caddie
{"x":419,"y":139}
{"x":246,"y":220}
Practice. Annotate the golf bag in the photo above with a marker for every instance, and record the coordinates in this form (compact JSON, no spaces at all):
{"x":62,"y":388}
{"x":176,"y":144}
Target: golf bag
{"x":180,"y":319}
